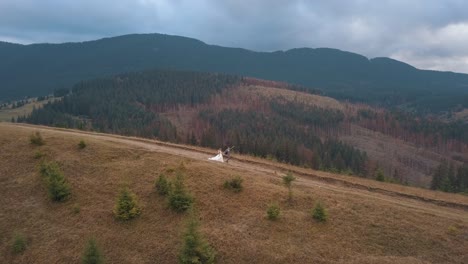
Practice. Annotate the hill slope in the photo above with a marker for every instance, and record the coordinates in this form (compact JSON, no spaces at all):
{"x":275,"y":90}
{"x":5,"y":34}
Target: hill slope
{"x":364,"y":226}
{"x":40,"y":68}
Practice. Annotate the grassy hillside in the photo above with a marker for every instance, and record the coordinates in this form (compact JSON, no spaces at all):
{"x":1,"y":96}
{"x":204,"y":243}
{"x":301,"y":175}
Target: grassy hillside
{"x":38,"y":69}
{"x":363,"y":226}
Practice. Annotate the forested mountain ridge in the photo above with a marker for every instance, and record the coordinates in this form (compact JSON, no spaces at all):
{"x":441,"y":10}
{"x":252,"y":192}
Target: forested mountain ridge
{"x":38,"y":69}
{"x":264,"y":118}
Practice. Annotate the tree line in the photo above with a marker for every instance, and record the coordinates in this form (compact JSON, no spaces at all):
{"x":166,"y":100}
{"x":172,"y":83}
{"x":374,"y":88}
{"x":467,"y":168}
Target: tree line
{"x":450,"y":178}
{"x":283,"y":138}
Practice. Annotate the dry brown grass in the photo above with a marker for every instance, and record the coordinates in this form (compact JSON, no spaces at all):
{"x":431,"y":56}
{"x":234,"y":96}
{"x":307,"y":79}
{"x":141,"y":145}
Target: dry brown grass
{"x":363,"y":227}
{"x":301,"y":97}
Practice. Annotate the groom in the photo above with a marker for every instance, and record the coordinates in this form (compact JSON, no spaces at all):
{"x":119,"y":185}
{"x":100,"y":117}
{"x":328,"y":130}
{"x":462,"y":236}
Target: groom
{"x":227,"y":154}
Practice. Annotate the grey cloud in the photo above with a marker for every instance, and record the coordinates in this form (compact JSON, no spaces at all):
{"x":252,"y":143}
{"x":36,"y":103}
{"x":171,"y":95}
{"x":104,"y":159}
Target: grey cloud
{"x":426,"y":33}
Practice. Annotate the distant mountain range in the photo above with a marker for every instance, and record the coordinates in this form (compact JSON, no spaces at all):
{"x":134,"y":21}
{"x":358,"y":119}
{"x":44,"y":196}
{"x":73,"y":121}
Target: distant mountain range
{"x":38,"y":69}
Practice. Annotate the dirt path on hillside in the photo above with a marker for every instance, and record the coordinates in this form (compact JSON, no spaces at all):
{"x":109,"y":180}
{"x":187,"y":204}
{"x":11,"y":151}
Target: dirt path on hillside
{"x":448,"y":209}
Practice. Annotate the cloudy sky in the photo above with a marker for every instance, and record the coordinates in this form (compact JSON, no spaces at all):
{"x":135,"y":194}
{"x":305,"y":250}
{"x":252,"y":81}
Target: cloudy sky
{"x":429,"y":34}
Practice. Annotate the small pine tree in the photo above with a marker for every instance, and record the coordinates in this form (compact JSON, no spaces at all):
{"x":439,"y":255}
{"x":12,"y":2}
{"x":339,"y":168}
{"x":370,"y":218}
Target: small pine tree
{"x":92,"y":254}
{"x":43,"y":168}
{"x":287,"y":181}
{"x":163,"y":186}
{"x":57,"y":186}
{"x":273,"y":212}
{"x":36,"y":139}
{"x":126,"y":206}
{"x":235,"y":184}
{"x":59,"y":190}
{"x":82,"y":144}
{"x":19,"y":243}
{"x":195,"y":249}
{"x":319,"y":213}
{"x":179,"y":199}
{"x":379,"y":175}
{"x":47,"y":168}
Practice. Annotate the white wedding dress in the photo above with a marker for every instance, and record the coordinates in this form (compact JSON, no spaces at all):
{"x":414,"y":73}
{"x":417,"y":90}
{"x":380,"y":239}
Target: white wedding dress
{"x":218,"y":157}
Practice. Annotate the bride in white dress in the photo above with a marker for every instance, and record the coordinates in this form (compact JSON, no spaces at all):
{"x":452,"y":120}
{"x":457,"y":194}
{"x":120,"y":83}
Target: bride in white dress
{"x":218,"y":157}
